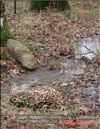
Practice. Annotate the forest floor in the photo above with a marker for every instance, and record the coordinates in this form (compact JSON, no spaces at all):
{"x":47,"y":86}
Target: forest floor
{"x":46,"y":34}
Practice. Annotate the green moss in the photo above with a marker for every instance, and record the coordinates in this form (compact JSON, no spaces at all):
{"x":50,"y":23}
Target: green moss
{"x":29,"y":47}
{"x":5,"y":57}
{"x":5,"y":34}
{"x":71,"y":110}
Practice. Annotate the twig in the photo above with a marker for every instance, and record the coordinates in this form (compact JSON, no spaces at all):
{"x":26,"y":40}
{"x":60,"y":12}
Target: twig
{"x":89,"y":49}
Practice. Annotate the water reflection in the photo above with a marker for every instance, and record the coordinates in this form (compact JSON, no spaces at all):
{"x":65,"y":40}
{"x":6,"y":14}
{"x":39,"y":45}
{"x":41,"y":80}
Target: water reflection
{"x":88,"y":47}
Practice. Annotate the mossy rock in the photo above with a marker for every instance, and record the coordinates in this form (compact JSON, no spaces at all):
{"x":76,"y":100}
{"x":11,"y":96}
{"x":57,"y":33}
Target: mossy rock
{"x":5,"y":34}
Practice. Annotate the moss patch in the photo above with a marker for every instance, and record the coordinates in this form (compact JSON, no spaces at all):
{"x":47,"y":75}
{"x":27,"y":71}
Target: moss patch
{"x":30,"y":47}
{"x":5,"y":34}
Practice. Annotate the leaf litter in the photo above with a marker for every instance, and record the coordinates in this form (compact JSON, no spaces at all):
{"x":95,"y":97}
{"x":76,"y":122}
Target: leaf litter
{"x":51,"y":33}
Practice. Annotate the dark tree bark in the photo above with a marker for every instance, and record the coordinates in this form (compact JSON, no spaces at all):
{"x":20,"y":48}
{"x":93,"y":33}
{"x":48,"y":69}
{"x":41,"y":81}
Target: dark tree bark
{"x":2,"y":8}
{"x":5,"y":34}
{"x":41,"y":5}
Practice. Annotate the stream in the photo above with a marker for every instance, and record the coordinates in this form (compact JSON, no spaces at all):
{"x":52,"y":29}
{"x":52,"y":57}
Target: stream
{"x":75,"y":68}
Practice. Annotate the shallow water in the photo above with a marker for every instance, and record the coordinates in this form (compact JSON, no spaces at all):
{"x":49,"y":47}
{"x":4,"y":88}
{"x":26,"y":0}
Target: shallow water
{"x":49,"y":78}
{"x":45,"y":77}
{"x":88,"y":47}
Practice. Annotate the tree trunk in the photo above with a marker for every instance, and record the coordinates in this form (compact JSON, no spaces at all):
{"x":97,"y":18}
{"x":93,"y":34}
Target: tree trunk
{"x":41,"y":5}
{"x":4,"y":29}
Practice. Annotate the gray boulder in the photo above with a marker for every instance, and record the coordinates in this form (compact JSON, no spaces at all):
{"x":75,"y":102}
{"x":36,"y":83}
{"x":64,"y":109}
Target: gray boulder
{"x":22,"y":54}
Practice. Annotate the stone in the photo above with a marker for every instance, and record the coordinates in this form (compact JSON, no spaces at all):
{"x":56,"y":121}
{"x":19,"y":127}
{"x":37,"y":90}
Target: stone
{"x":22,"y":54}
{"x":2,"y":8}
